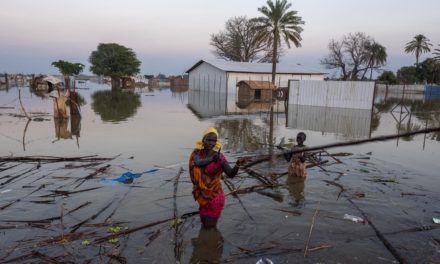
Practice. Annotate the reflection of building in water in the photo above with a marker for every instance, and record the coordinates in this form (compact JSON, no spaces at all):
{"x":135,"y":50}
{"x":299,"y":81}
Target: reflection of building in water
{"x":351,"y":123}
{"x":208,"y":246}
{"x":207,"y":104}
{"x":242,"y":134}
{"x":221,"y":77}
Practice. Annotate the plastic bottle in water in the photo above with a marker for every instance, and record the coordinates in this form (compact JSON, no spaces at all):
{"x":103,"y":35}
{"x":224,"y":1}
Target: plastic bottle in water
{"x":354,"y":218}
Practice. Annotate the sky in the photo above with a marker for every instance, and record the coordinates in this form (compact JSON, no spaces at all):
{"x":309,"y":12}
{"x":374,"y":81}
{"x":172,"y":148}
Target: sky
{"x":169,"y":36}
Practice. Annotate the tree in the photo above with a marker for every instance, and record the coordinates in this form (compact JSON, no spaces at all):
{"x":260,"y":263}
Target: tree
{"x":387,"y":77}
{"x":278,"y":22}
{"x":115,"y":61}
{"x":407,"y":75}
{"x":437,"y":53}
{"x":68,"y":69}
{"x":376,"y":56}
{"x":429,"y":71}
{"x":420,"y":44}
{"x":238,"y":42}
{"x":355,"y":54}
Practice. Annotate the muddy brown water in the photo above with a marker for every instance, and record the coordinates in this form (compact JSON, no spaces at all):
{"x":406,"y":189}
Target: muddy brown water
{"x":394,"y":184}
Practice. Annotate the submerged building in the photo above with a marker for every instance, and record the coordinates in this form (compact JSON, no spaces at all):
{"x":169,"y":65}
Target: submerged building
{"x":213,"y":83}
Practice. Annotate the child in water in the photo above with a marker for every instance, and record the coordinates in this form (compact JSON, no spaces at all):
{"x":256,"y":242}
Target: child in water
{"x":206,"y":165}
{"x":297,"y":165}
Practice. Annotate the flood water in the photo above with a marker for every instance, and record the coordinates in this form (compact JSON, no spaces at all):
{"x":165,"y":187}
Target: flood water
{"x":395,"y":184}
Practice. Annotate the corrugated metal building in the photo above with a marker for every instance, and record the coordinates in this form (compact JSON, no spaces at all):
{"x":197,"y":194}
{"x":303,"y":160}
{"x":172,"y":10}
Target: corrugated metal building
{"x":220,"y":76}
{"x":341,"y":94}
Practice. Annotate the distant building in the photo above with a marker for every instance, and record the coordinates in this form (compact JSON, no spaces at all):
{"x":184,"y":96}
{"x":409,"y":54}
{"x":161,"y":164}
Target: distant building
{"x":219,"y":78}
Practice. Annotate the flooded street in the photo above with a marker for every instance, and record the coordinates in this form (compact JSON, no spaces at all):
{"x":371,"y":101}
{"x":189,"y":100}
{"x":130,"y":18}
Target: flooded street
{"x":63,"y":211}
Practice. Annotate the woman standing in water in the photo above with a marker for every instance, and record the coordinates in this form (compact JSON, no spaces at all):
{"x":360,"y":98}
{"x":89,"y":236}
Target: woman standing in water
{"x":206,"y":165}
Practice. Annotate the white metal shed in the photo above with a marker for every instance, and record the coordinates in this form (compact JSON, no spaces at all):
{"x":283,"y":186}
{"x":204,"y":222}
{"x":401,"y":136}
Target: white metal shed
{"x":221,"y":77}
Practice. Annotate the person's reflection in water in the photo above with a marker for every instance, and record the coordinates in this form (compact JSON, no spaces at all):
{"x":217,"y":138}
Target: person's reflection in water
{"x":208,"y":246}
{"x":62,"y":128}
{"x":296,"y":190}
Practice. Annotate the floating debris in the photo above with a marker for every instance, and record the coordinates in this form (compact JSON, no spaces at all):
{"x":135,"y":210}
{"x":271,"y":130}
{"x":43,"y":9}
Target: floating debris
{"x":354,"y":218}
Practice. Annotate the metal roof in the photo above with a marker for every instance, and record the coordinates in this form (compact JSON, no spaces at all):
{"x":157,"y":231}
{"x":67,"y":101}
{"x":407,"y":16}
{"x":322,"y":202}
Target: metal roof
{"x":258,"y":85}
{"x":252,"y":67}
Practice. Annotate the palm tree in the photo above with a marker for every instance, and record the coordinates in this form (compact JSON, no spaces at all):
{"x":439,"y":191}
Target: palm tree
{"x":420,"y":44}
{"x":278,"y":22}
{"x":437,"y":53}
{"x":376,"y":55}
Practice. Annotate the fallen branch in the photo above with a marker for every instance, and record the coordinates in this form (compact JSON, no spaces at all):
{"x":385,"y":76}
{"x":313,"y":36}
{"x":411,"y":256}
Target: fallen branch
{"x":379,"y":235}
{"x":75,"y":227}
{"x":344,"y":144}
{"x":53,"y":159}
{"x":342,"y":189}
{"x":232,"y":190}
{"x":91,"y":175}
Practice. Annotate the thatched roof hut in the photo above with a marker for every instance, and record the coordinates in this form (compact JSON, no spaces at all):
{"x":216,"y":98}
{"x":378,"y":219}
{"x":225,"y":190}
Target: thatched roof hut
{"x":254,"y":91}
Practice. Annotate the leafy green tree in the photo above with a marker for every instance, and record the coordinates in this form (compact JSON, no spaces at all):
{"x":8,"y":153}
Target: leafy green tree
{"x":277,"y":23}
{"x":420,"y":44}
{"x":387,"y":77}
{"x":115,"y":61}
{"x":68,"y":69}
{"x":376,"y":56}
{"x":408,"y":75}
{"x":429,"y":70}
{"x":115,"y":105}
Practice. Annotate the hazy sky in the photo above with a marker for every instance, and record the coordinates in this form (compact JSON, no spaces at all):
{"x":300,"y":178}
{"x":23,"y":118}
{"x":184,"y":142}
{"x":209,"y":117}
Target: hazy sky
{"x":169,"y":36}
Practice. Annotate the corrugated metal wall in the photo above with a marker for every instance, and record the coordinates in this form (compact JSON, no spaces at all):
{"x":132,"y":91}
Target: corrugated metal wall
{"x":207,"y":78}
{"x":351,"y":123}
{"x":342,"y":94}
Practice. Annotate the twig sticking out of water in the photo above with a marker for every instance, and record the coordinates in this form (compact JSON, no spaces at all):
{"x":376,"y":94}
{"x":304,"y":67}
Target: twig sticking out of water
{"x":310,"y":231}
{"x":21,"y":104}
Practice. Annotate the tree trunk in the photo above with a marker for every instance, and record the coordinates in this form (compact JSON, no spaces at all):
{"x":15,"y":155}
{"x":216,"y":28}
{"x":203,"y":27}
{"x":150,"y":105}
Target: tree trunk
{"x":116,"y":83}
{"x":274,"y":57}
{"x":368,"y":66}
{"x":67,"y":82}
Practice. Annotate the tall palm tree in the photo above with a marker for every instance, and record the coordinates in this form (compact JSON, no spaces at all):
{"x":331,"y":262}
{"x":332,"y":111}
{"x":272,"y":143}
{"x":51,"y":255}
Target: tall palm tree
{"x":376,"y":55}
{"x":279,"y":22}
{"x":420,"y":44}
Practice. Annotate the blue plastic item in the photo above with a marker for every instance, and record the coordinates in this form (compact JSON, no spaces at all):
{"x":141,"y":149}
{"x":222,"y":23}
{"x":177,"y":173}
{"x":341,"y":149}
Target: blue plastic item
{"x":129,"y":176}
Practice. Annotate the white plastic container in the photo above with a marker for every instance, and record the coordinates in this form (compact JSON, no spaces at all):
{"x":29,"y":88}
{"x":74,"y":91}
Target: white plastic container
{"x":354,"y":218}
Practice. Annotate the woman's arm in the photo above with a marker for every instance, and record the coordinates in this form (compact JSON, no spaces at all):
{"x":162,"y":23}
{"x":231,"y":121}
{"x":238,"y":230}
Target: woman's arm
{"x":230,"y":172}
{"x":200,"y":162}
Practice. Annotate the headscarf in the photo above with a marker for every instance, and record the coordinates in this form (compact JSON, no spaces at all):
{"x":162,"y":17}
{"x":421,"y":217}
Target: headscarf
{"x":199,"y":144}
